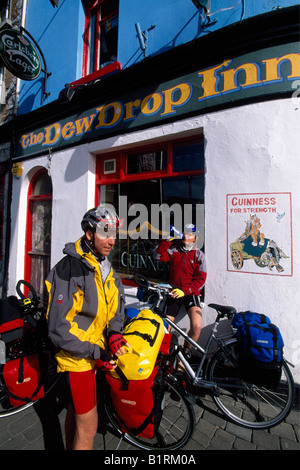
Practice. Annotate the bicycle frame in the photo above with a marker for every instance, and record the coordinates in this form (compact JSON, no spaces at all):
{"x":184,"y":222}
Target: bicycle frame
{"x":197,"y":378}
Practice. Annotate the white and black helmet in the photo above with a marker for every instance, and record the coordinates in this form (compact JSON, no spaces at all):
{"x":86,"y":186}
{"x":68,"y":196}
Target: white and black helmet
{"x":101,"y":219}
{"x":191,"y":228}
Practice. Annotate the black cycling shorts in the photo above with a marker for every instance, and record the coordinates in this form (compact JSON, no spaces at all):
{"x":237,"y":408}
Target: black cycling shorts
{"x":173,"y":305}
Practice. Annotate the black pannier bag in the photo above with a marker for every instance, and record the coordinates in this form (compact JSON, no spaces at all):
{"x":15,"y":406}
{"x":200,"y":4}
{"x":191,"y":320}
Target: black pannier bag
{"x":11,"y":319}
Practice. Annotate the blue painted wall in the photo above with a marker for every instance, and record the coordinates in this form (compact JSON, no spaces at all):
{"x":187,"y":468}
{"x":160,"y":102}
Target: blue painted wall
{"x":59,"y":33}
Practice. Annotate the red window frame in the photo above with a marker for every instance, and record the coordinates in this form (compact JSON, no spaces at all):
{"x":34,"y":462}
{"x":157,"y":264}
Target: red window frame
{"x":95,"y":6}
{"x":121,"y":176}
{"x":28,"y":237}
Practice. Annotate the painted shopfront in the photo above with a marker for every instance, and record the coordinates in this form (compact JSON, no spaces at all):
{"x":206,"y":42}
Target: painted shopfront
{"x":221,"y":136}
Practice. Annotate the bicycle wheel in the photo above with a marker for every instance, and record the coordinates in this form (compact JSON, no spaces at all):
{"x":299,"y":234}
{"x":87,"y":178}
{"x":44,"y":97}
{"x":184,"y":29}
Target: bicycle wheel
{"x":249,"y":405}
{"x":49,"y":380}
{"x":176,"y":426}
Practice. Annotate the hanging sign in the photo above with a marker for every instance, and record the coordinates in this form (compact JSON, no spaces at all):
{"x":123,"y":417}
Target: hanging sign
{"x":19,"y":55}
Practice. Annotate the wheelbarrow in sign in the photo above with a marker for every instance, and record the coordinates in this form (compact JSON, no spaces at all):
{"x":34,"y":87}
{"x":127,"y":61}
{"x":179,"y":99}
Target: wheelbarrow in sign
{"x":259,"y":233}
{"x":19,"y":55}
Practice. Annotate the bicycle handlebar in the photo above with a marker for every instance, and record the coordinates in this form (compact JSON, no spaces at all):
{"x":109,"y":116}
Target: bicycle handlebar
{"x":163,"y":291}
{"x":30,"y":307}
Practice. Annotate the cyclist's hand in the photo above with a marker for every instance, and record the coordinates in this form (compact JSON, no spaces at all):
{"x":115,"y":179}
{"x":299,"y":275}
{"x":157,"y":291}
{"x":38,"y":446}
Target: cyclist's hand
{"x":116,"y":343}
{"x":177,"y":293}
{"x":105,"y":362}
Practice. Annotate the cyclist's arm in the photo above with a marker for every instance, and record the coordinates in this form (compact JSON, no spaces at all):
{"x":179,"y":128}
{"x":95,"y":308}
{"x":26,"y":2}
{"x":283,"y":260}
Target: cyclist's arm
{"x":65,"y":299}
{"x":116,"y":323}
{"x":162,"y":252}
{"x":199,"y":278}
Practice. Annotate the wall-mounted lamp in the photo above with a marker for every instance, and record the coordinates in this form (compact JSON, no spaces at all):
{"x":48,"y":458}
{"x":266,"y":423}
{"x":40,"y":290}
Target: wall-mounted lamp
{"x":143,"y":37}
{"x":204,"y":4}
{"x":66,"y":93}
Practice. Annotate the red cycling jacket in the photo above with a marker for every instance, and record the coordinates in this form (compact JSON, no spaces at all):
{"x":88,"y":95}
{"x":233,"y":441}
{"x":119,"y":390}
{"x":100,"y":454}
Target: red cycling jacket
{"x":187,"y":268}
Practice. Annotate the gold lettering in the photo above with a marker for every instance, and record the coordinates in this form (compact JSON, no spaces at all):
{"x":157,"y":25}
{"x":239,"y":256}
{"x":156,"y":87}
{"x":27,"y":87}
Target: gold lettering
{"x":84,"y":124}
{"x":231,"y":80}
{"x":103,"y":114}
{"x":52,"y":134}
{"x":272,"y":67}
{"x":151,"y":103}
{"x":68,"y":130}
{"x":171,"y":103}
{"x":129,"y":108}
{"x":210,"y":81}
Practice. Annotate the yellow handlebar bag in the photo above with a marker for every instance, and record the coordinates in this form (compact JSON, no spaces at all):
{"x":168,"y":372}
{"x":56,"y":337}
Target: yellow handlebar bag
{"x":144,"y":333}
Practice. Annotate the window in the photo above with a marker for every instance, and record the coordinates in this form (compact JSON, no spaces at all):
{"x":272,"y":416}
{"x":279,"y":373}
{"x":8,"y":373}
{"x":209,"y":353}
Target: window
{"x":38,"y":232}
{"x":101,"y":34}
{"x":153,"y":189}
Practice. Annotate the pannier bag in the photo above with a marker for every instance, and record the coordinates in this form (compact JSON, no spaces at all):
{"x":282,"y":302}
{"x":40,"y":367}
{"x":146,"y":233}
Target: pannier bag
{"x":138,"y":403}
{"x":144,"y":333}
{"x":22,"y":378}
{"x":11,"y":321}
{"x":260,"y":347}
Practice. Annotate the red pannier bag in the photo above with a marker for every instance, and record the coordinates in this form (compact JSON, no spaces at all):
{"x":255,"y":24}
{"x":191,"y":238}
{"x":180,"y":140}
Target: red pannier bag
{"x":23,"y":380}
{"x":138,"y":406}
{"x":138,"y":403}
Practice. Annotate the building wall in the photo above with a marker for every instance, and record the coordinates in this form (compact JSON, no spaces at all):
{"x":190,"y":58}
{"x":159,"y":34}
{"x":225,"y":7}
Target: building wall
{"x":249,"y":150}
{"x":59,"y":33}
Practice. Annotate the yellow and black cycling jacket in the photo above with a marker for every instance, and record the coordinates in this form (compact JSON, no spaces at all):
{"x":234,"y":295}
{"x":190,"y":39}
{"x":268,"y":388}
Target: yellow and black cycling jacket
{"x":84,"y":305}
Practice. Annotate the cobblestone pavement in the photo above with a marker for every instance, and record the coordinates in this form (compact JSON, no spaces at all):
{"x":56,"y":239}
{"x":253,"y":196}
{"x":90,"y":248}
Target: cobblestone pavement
{"x":39,"y":428}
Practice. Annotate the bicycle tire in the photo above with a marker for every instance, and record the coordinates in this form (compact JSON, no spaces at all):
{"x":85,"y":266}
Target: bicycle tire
{"x":176,"y":426}
{"x":249,"y":405}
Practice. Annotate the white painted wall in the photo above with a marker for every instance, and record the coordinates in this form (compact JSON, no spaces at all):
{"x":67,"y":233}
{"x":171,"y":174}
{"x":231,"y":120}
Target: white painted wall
{"x":254,"y":149}
{"x":249,"y":149}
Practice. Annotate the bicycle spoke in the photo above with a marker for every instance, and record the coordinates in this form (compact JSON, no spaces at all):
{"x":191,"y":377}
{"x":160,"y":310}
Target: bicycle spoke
{"x":253,"y":406}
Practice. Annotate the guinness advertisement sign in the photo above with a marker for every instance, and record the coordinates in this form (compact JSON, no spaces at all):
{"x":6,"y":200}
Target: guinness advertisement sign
{"x":19,"y":55}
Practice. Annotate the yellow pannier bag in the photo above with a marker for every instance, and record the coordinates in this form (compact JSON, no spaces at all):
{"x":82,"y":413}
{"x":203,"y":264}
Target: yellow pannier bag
{"x":144,"y":333}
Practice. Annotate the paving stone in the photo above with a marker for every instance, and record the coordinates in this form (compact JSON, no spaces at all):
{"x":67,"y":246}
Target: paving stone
{"x":243,"y":433}
{"x":286,"y":444}
{"x":284,"y":430}
{"x":241,"y":444}
{"x":222,"y":440}
{"x":266,"y":440}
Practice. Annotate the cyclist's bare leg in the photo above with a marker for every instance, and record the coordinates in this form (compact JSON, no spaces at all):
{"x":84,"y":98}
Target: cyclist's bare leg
{"x":84,"y":429}
{"x":195,"y":316}
{"x":172,"y":319}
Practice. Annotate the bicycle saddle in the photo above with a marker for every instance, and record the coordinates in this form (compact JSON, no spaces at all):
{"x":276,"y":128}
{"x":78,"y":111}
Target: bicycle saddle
{"x":224,"y":310}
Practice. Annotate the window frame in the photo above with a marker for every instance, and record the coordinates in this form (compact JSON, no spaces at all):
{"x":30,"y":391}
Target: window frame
{"x":28,"y":238}
{"x":120,"y":176}
{"x":94,"y":5}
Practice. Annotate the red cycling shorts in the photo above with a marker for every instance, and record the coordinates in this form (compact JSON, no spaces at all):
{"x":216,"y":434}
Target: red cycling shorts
{"x":83,"y":390}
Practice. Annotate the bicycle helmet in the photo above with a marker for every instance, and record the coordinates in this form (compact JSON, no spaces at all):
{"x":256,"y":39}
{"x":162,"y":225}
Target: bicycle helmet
{"x":191,"y":228}
{"x":101,"y":219}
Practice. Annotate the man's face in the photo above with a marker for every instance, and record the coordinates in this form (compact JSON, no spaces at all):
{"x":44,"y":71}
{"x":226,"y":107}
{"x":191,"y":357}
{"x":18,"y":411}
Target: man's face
{"x":189,"y":238}
{"x":103,"y":244}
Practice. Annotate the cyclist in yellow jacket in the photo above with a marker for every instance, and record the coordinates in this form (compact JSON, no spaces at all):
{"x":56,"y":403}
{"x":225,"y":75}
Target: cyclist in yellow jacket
{"x":85,"y":317}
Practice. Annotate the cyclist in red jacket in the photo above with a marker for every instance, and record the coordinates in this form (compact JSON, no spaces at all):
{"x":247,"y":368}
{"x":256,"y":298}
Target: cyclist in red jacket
{"x":187,"y":276}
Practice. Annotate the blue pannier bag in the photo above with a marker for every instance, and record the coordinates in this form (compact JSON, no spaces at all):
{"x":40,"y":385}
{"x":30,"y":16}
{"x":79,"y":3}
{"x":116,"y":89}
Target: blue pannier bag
{"x":260,"y":348}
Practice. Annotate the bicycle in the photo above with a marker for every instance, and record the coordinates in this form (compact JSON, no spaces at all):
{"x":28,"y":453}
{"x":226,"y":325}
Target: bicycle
{"x":32,"y":337}
{"x":247,"y":404}
{"x":27,"y":336}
